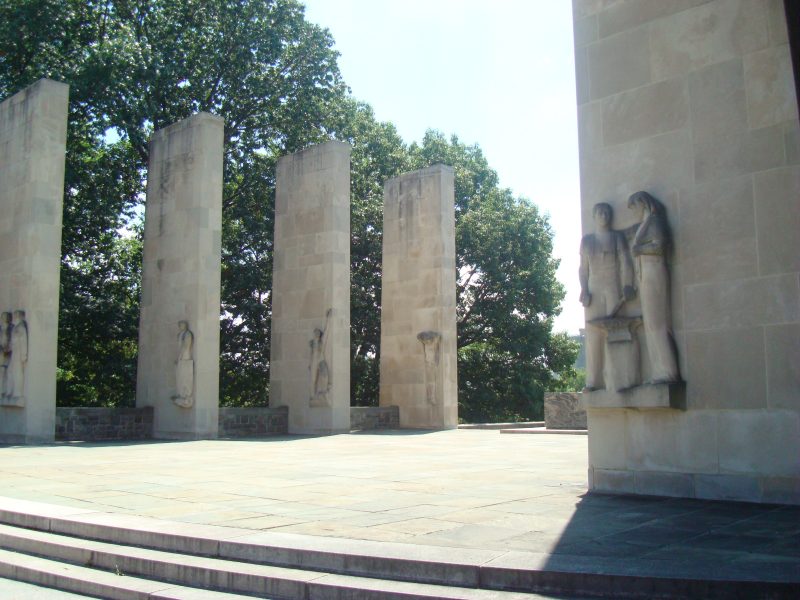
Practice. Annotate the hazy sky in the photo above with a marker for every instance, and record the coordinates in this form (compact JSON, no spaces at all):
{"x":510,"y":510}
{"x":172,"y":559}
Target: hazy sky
{"x":499,"y":74}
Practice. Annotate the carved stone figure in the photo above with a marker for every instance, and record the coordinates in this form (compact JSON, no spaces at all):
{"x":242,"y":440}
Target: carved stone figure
{"x":431,"y":342}
{"x":15,"y":372}
{"x":184,"y":367}
{"x":318,"y":366}
{"x":5,"y":349}
{"x":649,"y":247}
{"x":606,"y":277}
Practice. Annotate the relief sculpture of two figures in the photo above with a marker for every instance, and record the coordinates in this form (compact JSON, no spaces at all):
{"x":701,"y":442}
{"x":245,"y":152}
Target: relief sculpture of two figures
{"x":617,"y":267}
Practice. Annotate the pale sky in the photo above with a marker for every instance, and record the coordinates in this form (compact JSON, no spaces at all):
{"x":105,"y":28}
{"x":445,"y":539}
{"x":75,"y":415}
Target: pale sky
{"x":499,"y":74}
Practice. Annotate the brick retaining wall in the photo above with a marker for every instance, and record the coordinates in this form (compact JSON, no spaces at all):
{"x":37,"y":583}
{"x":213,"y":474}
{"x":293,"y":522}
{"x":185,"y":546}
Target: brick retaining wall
{"x":374,"y":417}
{"x":253,"y":421}
{"x":100,"y":424}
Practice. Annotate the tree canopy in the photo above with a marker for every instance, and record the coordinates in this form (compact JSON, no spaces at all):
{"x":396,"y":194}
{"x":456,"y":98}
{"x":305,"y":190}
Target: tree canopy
{"x":135,"y":66}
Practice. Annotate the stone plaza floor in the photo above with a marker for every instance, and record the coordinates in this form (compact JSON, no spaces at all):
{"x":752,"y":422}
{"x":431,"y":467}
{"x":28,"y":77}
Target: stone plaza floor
{"x":472,"y":489}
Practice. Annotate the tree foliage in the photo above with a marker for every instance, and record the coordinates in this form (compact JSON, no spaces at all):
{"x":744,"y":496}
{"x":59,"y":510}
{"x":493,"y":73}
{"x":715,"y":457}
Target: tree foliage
{"x":135,"y":66}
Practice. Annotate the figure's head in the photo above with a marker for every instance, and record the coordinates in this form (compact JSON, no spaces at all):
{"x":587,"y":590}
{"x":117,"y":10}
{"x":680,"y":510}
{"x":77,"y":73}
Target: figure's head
{"x":645,"y":204}
{"x":183,"y":325}
{"x":19,"y":315}
{"x":602,"y":213}
{"x":318,"y":334}
{"x":5,"y":317}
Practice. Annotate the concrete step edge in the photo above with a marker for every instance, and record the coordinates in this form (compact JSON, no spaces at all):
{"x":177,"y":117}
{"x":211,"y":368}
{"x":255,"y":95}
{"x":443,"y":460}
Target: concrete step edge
{"x":94,"y":583}
{"x":434,"y":565}
{"x":112,"y":571}
{"x":495,"y":570}
{"x":181,"y":569}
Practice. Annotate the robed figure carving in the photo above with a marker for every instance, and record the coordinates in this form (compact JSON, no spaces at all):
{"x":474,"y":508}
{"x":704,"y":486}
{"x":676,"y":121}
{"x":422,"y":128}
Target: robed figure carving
{"x":14,"y":388}
{"x":5,"y":350}
{"x":431,"y":348}
{"x":606,"y":277}
{"x":649,"y":248}
{"x":318,"y":365}
{"x":184,"y":367}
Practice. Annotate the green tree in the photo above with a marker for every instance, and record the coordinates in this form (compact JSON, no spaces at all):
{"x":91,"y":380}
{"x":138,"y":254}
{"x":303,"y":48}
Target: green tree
{"x":507,"y":290}
{"x":138,"y":65}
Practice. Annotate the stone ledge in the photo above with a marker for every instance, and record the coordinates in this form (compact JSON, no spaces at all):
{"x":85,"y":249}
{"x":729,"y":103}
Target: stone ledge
{"x":13,"y":402}
{"x":658,"y":395}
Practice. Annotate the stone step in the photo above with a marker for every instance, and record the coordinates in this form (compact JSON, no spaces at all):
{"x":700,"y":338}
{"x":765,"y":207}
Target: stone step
{"x":391,"y":564}
{"x":97,"y":584}
{"x":116,"y":571}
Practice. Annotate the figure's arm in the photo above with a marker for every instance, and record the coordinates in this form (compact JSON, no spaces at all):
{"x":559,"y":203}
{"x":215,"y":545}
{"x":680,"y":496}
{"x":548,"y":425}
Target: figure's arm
{"x":651,"y":238}
{"x":325,"y":332}
{"x":583,"y":274}
{"x":626,"y":268}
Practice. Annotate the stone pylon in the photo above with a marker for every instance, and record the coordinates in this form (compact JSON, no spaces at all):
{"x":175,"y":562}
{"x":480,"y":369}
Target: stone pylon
{"x":418,"y":315}
{"x":180,"y":309}
{"x":33,"y":132}
{"x":310,"y":345}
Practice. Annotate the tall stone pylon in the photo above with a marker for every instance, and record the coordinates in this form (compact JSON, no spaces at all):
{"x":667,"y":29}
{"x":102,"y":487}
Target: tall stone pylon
{"x":179,"y":323}
{"x":33,"y":134}
{"x":310,"y":345}
{"x":418,"y":314}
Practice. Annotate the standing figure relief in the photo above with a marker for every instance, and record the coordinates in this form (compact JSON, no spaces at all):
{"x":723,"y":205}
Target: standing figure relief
{"x":15,"y":357}
{"x":431,"y":344}
{"x":649,"y":248}
{"x":606,"y":278}
{"x":184,"y":367}
{"x":321,"y":380}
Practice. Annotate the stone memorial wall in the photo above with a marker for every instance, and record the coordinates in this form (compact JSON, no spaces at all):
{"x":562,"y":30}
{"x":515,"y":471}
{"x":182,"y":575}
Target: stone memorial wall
{"x":310,"y":344}
{"x":33,"y":131}
{"x":178,"y":372}
{"x":694,"y":104}
{"x":418,"y":312}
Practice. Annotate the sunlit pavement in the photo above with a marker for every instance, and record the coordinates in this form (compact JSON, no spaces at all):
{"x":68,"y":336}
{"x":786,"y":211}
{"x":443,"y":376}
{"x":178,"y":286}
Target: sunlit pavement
{"x":461,"y":489}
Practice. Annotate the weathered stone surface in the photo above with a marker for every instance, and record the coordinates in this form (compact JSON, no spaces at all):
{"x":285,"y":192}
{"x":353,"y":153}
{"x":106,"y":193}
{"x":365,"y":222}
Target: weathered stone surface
{"x":98,"y":424}
{"x":770,"y":87}
{"x":727,"y":174}
{"x":782,"y":344}
{"x":181,"y":278}
{"x":564,"y":410}
{"x":374,"y":417}
{"x":418,"y":313}
{"x":619,"y":63}
{"x":33,"y":130}
{"x":726,"y":368}
{"x":253,"y":421}
{"x":310,"y":345}
{"x":777,"y":216}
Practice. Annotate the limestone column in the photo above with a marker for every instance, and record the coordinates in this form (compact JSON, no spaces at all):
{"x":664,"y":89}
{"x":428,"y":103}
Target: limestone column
{"x":33,"y":134}
{"x":179,"y":323}
{"x":418,"y":315}
{"x":310,"y":345}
